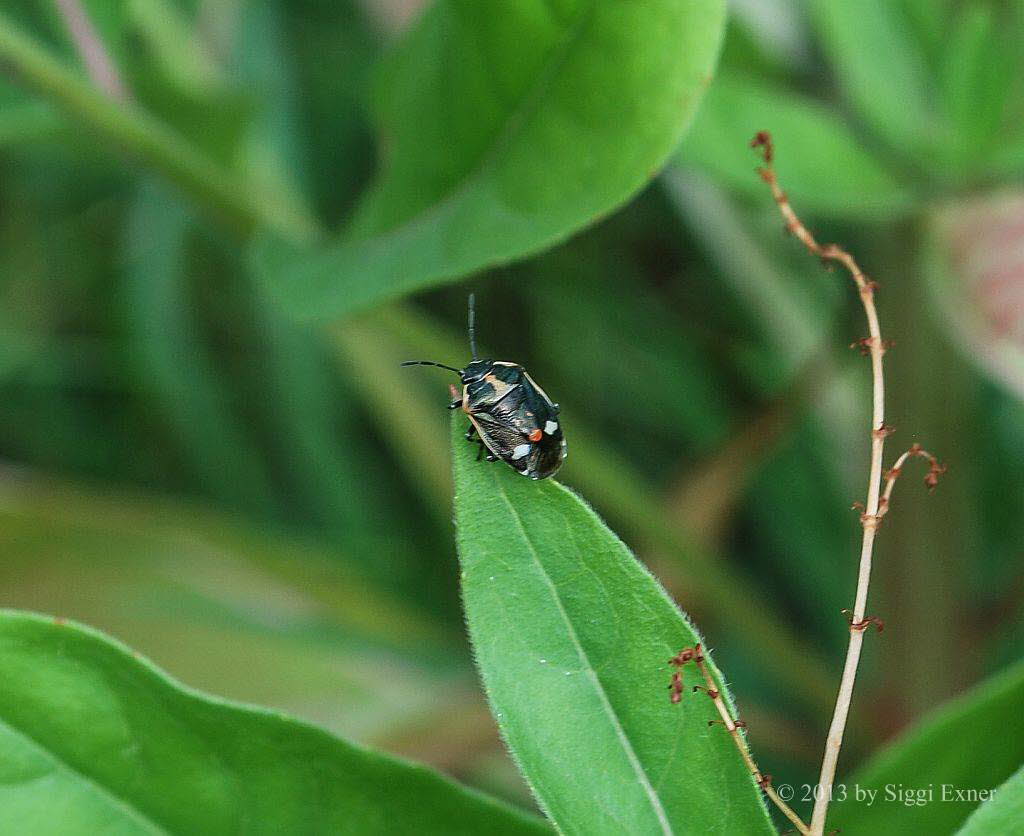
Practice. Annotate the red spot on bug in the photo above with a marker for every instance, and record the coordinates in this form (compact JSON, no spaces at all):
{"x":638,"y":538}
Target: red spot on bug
{"x":536,"y":435}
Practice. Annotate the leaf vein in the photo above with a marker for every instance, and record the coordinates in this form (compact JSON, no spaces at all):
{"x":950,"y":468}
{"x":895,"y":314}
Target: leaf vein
{"x":116,"y":801}
{"x":606,"y":705}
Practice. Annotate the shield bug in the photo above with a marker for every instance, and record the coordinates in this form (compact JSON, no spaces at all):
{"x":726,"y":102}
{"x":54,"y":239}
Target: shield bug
{"x":509,"y":414}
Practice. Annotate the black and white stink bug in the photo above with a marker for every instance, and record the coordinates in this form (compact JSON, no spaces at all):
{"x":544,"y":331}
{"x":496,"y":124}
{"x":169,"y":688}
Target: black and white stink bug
{"x":511,"y":415}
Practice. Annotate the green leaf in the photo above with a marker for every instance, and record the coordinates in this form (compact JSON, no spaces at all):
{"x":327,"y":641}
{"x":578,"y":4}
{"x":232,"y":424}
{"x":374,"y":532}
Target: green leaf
{"x":505,"y":129}
{"x":978,"y":75}
{"x":572,"y":636}
{"x":27,"y":122}
{"x":94,"y":740}
{"x":824,"y":167}
{"x":1002,"y":813}
{"x":964,"y":745}
{"x":928,"y":20}
{"x":882,"y":70}
{"x":246,"y":612}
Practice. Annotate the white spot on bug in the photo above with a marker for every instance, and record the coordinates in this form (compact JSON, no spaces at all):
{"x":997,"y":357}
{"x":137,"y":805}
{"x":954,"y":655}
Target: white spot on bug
{"x":551,"y":427}
{"x":520,"y":451}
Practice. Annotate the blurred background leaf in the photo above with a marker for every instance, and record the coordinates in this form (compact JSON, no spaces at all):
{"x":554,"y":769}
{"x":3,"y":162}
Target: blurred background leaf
{"x":502,"y":131}
{"x":810,"y":137}
{"x":94,"y":737}
{"x":265,"y":507}
{"x":1001,"y":812}
{"x":923,"y":759}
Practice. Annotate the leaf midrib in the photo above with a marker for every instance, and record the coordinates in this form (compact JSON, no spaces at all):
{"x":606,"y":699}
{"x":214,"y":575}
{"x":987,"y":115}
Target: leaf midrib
{"x":115,"y":800}
{"x":606,"y":705}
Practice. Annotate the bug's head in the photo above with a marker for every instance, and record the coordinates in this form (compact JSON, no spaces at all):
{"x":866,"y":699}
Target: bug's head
{"x":476,"y":370}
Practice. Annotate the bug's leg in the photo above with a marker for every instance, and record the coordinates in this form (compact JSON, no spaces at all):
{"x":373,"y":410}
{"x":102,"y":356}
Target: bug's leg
{"x":455,"y":404}
{"x":480,"y":452}
{"x":470,"y":432}
{"x":491,"y":457}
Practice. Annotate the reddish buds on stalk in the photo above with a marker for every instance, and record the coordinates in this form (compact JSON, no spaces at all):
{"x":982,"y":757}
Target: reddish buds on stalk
{"x":687,"y":654}
{"x":883,"y":431}
{"x":676,"y":687}
{"x":870,"y":520}
{"x":935,"y":467}
{"x":684,"y":656}
{"x":762,"y":142}
{"x":931,"y":479}
{"x":737,"y":724}
{"x":865,"y":345}
{"x":864,"y":623}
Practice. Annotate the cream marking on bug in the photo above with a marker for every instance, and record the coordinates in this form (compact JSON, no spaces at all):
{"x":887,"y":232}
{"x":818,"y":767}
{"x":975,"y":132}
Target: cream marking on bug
{"x":520,"y":451}
{"x":501,"y":388}
{"x":551,"y":427}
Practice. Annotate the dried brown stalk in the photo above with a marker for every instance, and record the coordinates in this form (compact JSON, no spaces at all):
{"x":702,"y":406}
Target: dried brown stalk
{"x":877,"y":503}
{"x":733,"y":726}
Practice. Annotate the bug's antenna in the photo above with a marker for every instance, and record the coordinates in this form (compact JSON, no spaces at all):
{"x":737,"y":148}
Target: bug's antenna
{"x":431,"y":363}
{"x":472,"y":324}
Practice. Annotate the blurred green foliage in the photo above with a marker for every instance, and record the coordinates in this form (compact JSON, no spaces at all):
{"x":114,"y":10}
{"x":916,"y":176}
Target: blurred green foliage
{"x":190,"y":468}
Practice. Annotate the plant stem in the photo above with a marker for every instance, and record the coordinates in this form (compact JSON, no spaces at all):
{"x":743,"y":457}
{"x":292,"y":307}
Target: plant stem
{"x":764,"y":781}
{"x":140,"y":134}
{"x":870,"y":519}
